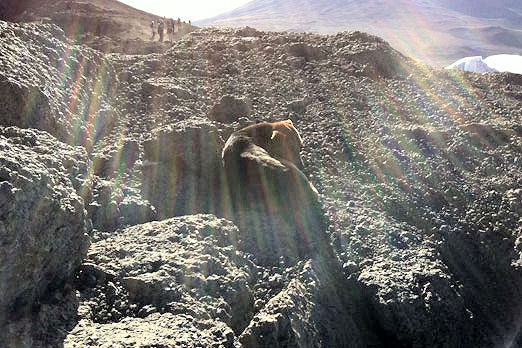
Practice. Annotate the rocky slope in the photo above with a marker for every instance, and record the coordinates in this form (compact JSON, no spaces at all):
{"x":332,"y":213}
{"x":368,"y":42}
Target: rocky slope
{"x":107,"y":25}
{"x":419,"y":173}
{"x":44,"y":224}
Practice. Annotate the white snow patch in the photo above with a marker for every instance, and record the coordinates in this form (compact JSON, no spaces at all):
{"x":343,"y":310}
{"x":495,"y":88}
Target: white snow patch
{"x":505,"y":62}
{"x":472,"y":64}
{"x":500,"y":62}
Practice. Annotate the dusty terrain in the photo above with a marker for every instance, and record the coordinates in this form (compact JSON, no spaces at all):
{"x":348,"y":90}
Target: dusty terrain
{"x":107,"y":25}
{"x":418,"y":171}
{"x":435,"y":32}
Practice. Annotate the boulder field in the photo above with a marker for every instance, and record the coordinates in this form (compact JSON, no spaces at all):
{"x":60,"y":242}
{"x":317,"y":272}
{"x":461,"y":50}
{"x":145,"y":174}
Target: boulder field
{"x":114,"y":228}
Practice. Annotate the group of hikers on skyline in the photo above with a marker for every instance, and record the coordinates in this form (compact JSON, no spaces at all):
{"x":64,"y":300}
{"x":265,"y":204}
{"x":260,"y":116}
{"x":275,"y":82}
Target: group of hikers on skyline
{"x":172,"y":26}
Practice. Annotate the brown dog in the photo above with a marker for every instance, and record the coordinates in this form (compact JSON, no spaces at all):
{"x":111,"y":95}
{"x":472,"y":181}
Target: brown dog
{"x":280,"y":139}
{"x":267,"y":188}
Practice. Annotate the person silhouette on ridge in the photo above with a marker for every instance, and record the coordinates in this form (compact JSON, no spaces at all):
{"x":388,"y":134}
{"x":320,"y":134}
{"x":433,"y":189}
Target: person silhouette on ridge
{"x":160,"y":30}
{"x":170,"y":29}
{"x":153,"y":27}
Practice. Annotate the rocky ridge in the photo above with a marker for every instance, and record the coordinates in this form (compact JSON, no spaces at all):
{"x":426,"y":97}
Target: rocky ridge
{"x":418,"y":171}
{"x":108,"y":26}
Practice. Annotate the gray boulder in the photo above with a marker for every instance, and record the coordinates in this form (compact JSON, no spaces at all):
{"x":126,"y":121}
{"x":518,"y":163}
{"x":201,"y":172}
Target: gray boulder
{"x":182,"y":168}
{"x":43,"y":223}
{"x":178,"y":281}
{"x":230,"y":109}
{"x":375,"y":56}
{"x":313,"y":309}
{"x":111,"y":208}
{"x":156,"y":330}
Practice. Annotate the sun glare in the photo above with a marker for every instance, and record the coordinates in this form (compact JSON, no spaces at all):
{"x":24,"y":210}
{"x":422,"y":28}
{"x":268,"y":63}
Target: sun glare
{"x":186,"y":10}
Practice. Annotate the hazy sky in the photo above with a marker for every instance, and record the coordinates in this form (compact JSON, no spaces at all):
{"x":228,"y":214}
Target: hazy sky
{"x":186,"y":9}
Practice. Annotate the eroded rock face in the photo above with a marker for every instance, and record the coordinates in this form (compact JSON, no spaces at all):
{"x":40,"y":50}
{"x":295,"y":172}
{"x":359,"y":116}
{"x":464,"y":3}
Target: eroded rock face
{"x":230,"y":109}
{"x":370,"y":56}
{"x":406,"y":283}
{"x":182,"y":169}
{"x":177,"y":271}
{"x":313,"y":309}
{"x":53,"y":86}
{"x":157,"y":329}
{"x":43,"y":223}
{"x":110,"y":208}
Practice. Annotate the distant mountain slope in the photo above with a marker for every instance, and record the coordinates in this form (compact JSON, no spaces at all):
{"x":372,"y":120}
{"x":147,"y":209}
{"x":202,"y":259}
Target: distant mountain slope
{"x":437,"y":32}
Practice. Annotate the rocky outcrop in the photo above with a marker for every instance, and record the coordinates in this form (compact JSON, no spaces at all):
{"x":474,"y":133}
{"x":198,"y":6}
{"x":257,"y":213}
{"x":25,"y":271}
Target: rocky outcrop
{"x":370,"y":55}
{"x":406,"y":283}
{"x":51,"y":85}
{"x":111,"y":208}
{"x":230,"y":109}
{"x":43,"y":222}
{"x":164,"y":91}
{"x":188,"y":280}
{"x":182,"y":169}
{"x":315,"y":308}
{"x":156,"y":329}
{"x":184,"y":275}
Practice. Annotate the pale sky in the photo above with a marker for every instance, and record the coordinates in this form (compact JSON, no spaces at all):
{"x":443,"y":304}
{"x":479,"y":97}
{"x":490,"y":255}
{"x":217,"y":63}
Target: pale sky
{"x":186,"y":9}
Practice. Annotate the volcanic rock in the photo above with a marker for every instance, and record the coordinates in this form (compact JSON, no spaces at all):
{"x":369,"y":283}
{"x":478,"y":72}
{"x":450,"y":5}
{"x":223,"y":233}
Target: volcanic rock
{"x":230,"y":109}
{"x":42,"y":94}
{"x":312,"y":309}
{"x":417,"y":169}
{"x":182,"y":168}
{"x":43,"y":222}
{"x":184,"y":275}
